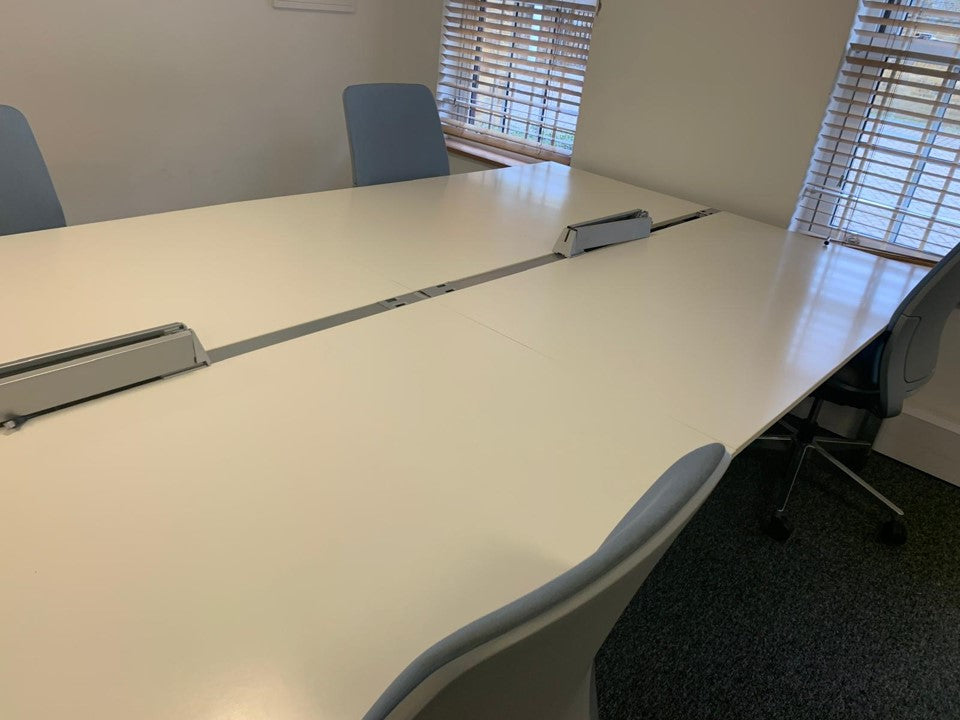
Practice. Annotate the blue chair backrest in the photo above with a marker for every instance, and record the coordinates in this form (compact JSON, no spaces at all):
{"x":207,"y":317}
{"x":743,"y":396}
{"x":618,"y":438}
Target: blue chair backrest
{"x":533,"y":658}
{"x":909,"y":357}
{"x":28,"y":200}
{"x":394,"y":133}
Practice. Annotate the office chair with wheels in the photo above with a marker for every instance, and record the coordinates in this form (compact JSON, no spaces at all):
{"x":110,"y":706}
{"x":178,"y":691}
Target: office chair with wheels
{"x":394,"y":133}
{"x":28,"y":200}
{"x":533,"y":659}
{"x":895,"y":365}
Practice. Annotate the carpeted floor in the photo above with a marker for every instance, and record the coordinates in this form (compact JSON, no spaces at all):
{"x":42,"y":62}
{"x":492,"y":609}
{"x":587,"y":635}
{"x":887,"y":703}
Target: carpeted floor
{"x":832,"y":624}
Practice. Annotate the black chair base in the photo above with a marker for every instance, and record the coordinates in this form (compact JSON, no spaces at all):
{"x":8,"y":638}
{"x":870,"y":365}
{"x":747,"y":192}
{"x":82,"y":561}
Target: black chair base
{"x":804,"y":440}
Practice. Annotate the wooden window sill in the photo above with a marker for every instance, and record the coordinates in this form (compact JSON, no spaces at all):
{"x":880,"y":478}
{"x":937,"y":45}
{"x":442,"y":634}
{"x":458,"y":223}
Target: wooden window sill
{"x":486,"y":153}
{"x":916,"y":258}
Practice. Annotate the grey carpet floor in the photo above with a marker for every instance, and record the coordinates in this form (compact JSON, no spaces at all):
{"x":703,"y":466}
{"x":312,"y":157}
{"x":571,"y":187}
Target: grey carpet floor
{"x":831,"y":624}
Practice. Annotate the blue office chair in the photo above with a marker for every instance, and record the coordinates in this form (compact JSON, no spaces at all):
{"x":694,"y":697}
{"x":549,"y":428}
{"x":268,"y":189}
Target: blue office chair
{"x":394,"y":133}
{"x":533,"y":659}
{"x":878,"y":379}
{"x":28,"y":200}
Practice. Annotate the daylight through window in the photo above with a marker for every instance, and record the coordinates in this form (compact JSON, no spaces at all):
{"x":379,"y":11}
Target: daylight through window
{"x":511,"y":72}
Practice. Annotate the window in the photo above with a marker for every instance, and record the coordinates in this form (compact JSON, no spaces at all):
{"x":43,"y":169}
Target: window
{"x":884,"y":172}
{"x":511,"y":72}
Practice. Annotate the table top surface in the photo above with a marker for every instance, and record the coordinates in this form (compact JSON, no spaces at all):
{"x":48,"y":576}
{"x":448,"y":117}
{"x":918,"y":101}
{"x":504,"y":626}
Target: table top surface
{"x":280,"y":534}
{"x":237,"y":271}
{"x":725,"y":323}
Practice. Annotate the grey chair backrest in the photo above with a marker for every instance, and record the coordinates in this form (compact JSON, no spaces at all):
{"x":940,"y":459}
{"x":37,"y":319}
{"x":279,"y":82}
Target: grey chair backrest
{"x":533,"y":659}
{"x":909,"y":356}
{"x":28,"y":200}
{"x":394,"y":133}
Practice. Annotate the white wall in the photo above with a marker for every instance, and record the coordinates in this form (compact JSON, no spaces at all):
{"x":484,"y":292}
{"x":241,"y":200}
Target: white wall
{"x":719,"y":102}
{"x":141,"y":107}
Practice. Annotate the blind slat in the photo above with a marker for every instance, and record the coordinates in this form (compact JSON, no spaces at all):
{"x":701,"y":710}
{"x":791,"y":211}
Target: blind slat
{"x":904,"y":8}
{"x":886,"y":165}
{"x":920,"y":146}
{"x":943,"y":46}
{"x":514,"y":27}
{"x":873,"y":162}
{"x":839,"y":121}
{"x":512,"y":72}
{"x":906,"y":23}
{"x":866,"y":106}
{"x":465,"y":61}
{"x":872,"y":78}
{"x":503,"y":45}
{"x":554,"y":65}
{"x":899,"y":67}
{"x":513,"y":82}
{"x":906,"y":51}
{"x":888,"y":186}
{"x":506,"y":80}
{"x":501,"y":95}
{"x":951,"y":103}
{"x":548,"y":5}
{"x":568,"y":27}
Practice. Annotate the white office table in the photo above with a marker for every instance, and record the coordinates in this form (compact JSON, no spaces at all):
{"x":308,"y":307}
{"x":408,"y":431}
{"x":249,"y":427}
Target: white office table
{"x":724,"y":323}
{"x":238,"y":271}
{"x":279,"y":536}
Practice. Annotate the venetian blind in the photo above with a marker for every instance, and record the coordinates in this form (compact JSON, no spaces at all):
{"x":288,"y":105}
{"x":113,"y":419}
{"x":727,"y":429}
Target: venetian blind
{"x":511,"y":72}
{"x":884,"y":172}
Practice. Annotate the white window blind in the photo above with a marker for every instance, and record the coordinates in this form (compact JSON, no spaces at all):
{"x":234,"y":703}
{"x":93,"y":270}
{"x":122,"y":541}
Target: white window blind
{"x":511,"y":72}
{"x":885,"y":169}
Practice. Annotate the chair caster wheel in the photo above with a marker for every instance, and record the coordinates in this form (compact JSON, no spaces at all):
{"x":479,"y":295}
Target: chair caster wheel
{"x":778,"y":527}
{"x":893,"y":532}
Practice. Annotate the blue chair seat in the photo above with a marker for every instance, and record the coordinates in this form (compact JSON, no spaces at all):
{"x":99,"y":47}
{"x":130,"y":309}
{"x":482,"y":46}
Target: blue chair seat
{"x":28,"y":200}
{"x":533,"y":658}
{"x":394,"y":133}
